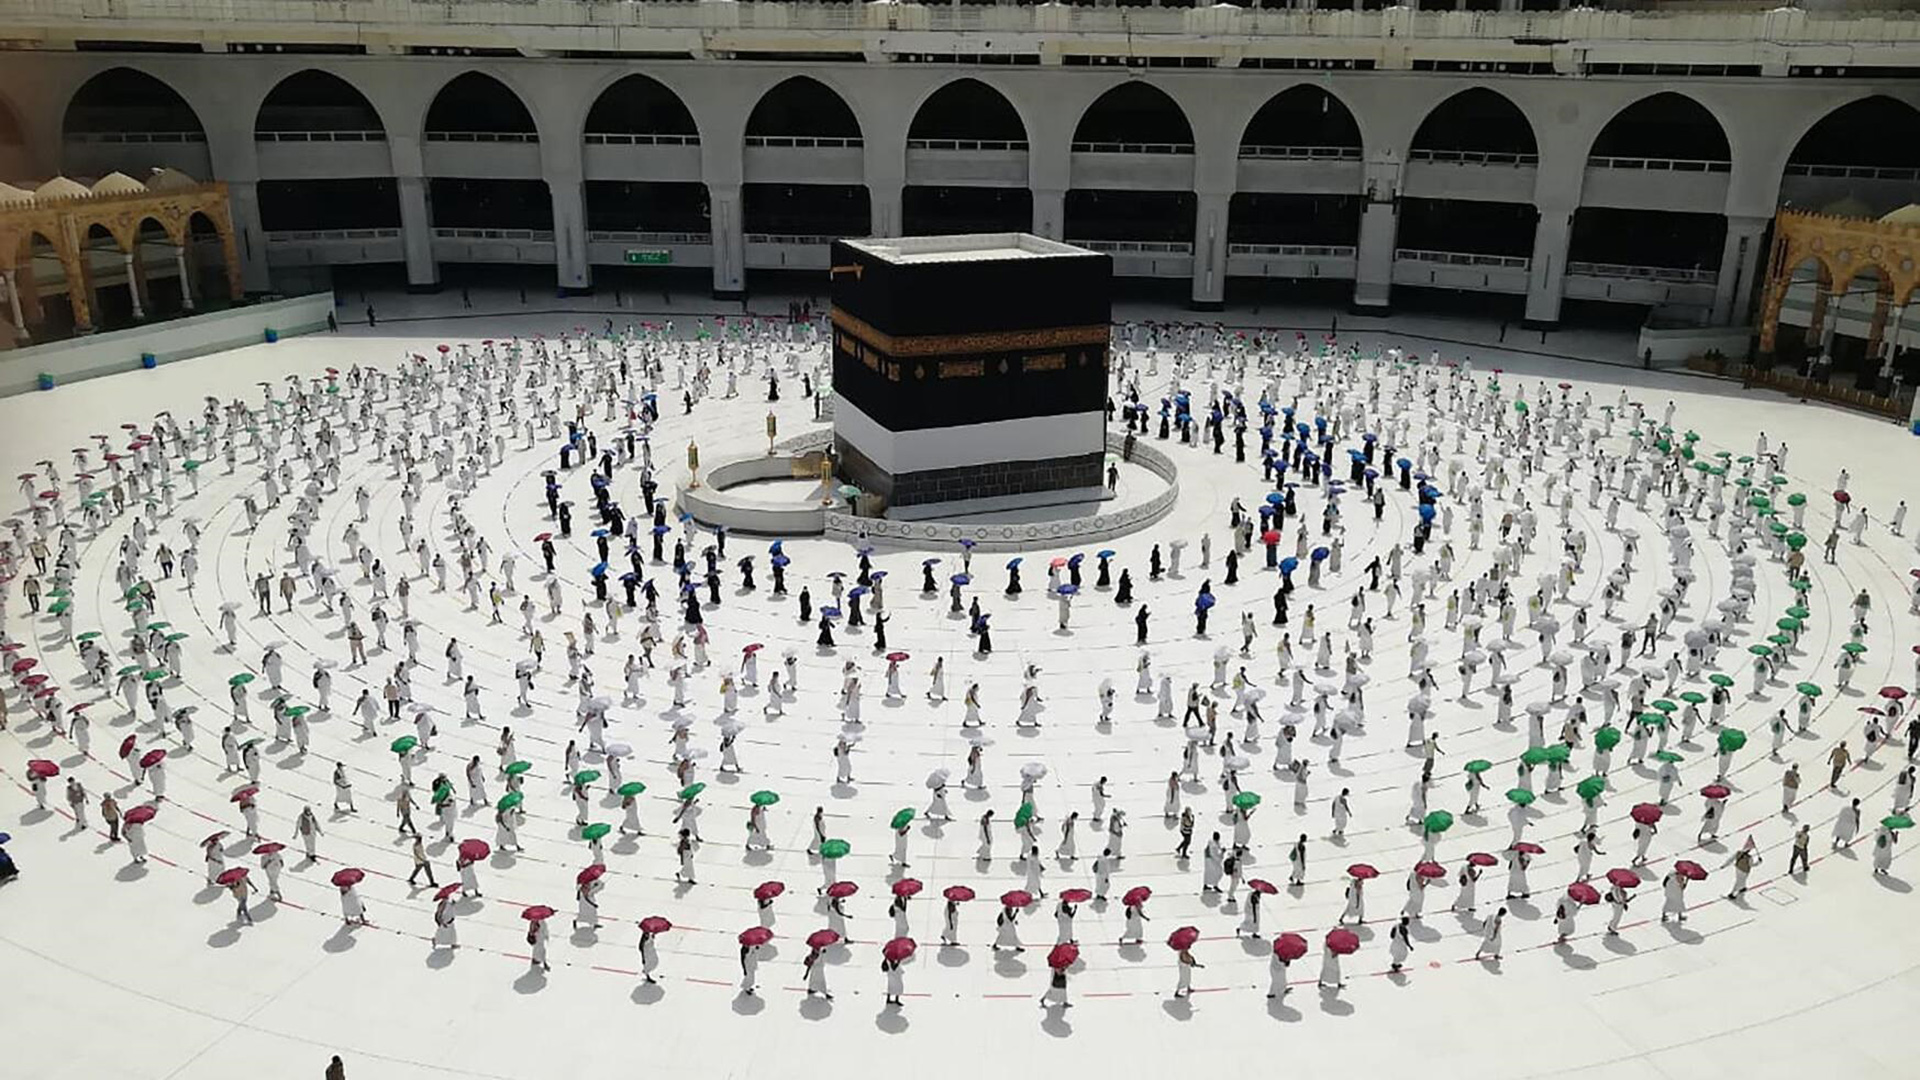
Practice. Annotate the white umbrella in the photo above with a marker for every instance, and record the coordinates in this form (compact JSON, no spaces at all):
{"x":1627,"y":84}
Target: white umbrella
{"x":619,"y":749}
{"x":1033,"y":770}
{"x":1237,"y":762}
{"x":682,"y":722}
{"x":732,"y":728}
{"x":1560,"y":658}
{"x":938,"y":778}
{"x":1538,"y":708}
{"x":1196,"y":734}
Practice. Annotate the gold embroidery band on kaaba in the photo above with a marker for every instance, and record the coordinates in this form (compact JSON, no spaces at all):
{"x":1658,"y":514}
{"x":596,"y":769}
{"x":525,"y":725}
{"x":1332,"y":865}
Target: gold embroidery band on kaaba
{"x":988,"y":342}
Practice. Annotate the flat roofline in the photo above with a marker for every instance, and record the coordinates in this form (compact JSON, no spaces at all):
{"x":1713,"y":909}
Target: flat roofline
{"x":964,"y":247}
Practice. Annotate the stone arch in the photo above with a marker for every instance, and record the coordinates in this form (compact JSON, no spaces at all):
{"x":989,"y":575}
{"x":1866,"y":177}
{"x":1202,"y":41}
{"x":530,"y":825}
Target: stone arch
{"x":121,"y":96}
{"x":1476,"y":120}
{"x":667,"y":111}
{"x":1686,"y":118}
{"x":300,"y":103}
{"x":1342,"y":125}
{"x":984,"y":96}
{"x":482,"y":94}
{"x":806,"y":107}
{"x":1822,"y":135}
{"x":1138,"y":109}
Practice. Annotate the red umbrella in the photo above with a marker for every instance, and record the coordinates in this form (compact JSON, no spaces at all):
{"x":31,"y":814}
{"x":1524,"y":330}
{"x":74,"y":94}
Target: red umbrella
{"x":753,"y":647}
{"x":1892,"y":693}
{"x":1645,"y":813}
{"x":821,"y":939}
{"x":959,"y":894}
{"x":350,"y":876}
{"x":1583,"y":893}
{"x":906,"y":886}
{"x":1076,"y":896}
{"x":1289,"y":947}
{"x":244,"y":793}
{"x":1058,"y":562}
{"x":541,"y":538}
{"x":1183,"y":938}
{"x":474,"y":850}
{"x":537,"y":913}
{"x":1690,"y":870}
{"x":1528,"y":847}
{"x":42,"y":768}
{"x":1430,"y":870}
{"x":34,"y":681}
{"x":152,"y":757}
{"x":447,"y":891}
{"x":655,"y":924}
{"x":126,"y":746}
{"x":1716,"y":791}
{"x":755,"y":935}
{"x":1623,"y":877}
{"x":231,"y":875}
{"x":140,"y":815}
{"x":269,"y":848}
{"x":1343,"y":942}
{"x":767,"y":890}
{"x":1363,"y":871}
{"x":898,"y":657}
{"x":1136,"y":896}
{"x":214,"y":839}
{"x":1481,"y":858}
{"x":1271,"y":536}
{"x":840,"y":890}
{"x":45,"y":692}
{"x":590,"y":874}
{"x":1842,"y":498}
{"x":1063,"y":956}
{"x":1016,"y":898}
{"x":22,"y":666}
{"x":899,"y":949}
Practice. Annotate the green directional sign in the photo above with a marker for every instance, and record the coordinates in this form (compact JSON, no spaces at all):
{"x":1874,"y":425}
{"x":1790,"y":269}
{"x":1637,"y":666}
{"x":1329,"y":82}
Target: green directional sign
{"x":649,"y":256}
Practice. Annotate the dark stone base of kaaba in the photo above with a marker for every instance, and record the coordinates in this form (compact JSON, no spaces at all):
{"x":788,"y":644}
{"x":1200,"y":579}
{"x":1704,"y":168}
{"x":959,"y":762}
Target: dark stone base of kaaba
{"x":992,"y":480}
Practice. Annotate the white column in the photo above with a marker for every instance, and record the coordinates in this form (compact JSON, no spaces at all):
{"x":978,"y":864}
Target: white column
{"x":1547,"y":274}
{"x":571,"y":266}
{"x":886,"y":216}
{"x":1739,"y":268}
{"x":729,"y":241}
{"x":1210,"y":252}
{"x":133,"y":288}
{"x":416,"y":234}
{"x":186,"y":282}
{"x":11,"y":281}
{"x":1373,"y":263}
{"x":250,"y":240}
{"x":1050,"y":213}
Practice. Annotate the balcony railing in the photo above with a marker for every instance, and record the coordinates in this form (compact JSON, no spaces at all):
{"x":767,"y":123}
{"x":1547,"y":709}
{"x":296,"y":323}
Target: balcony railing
{"x":1476,"y":157}
{"x":616,"y":236}
{"x":622,"y":138}
{"x":484,"y":136}
{"x":1462,"y":258}
{"x":308,"y":236}
{"x":1294,"y":251}
{"x":808,"y":142}
{"x":1647,"y":164}
{"x":1669,"y":274}
{"x":790,"y":240}
{"x":1300,"y":153}
{"x":1136,"y":247}
{"x":973,"y":145}
{"x":118,"y":137}
{"x":320,"y":136}
{"x":1856,"y":172}
{"x":1133,"y":148}
{"x":534,"y":235}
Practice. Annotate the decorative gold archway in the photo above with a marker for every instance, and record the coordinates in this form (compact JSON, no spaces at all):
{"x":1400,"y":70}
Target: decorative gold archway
{"x":63,"y":212}
{"x":1842,"y":248}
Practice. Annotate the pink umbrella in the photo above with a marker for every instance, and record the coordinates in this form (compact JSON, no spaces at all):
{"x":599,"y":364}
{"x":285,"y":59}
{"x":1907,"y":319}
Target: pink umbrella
{"x":244,"y":793}
{"x":1481,"y":858}
{"x":821,"y":939}
{"x":1183,"y":938}
{"x":214,"y":838}
{"x":755,"y":935}
{"x":269,"y":848}
{"x":590,"y":874}
{"x":898,"y":657}
{"x":1343,"y":942}
{"x":1076,"y":896}
{"x":1263,"y":886}
{"x":1583,"y":893}
{"x":474,"y":850}
{"x":1892,"y":693}
{"x":959,"y":894}
{"x":231,"y":875}
{"x":1430,"y":870}
{"x":151,"y":758}
{"x":655,"y":924}
{"x":1645,"y":813}
{"x":1363,"y":871}
{"x":537,"y":913}
{"x":898,"y":949}
{"x":1623,"y":877}
{"x":446,"y":891}
{"x":1289,"y":947}
{"x":1063,"y":956}
{"x":1016,"y":898}
{"x":1528,"y":847}
{"x":42,"y":768}
{"x":906,"y":887}
{"x":1136,"y":896}
{"x":753,"y":648}
{"x":767,"y":890}
{"x":24,"y":665}
{"x":140,"y":815}
{"x":349,"y":876}
{"x":1716,"y":791}
{"x":840,"y":890}
{"x":1690,"y":870}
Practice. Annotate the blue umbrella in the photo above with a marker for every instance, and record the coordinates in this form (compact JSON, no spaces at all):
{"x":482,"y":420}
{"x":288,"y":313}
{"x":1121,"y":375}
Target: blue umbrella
{"x":829,"y":612}
{"x":1014,"y":562}
{"x":1203,"y":601}
{"x":863,"y":549}
{"x":962,"y":579}
{"x":779,"y":560}
{"x":599,"y":570}
{"x":774,"y":548}
{"x":1356,"y":455}
{"x":1404,"y":463}
{"x":836,"y":574}
{"x":649,"y":397}
{"x":1372,"y":474}
{"x":1076,"y":559}
{"x":1068,"y":589}
{"x":966,"y":542}
{"x":1105,"y":553}
{"x":598,"y":481}
{"x":878,"y":575}
{"x":630,"y":576}
{"x":5,"y":837}
{"x":858,"y":591}
{"x":662,"y":530}
{"x":1369,"y":437}
{"x":929,"y":562}
{"x":1426,"y":512}
{"x":1266,"y":408}
{"x":598,"y":533}
{"x":1289,"y":564}
{"x":1320,"y":553}
{"x":1274,"y":498}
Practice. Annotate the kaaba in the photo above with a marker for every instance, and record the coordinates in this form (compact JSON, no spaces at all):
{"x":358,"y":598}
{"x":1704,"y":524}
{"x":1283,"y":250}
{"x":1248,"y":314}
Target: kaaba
{"x":970,"y":370}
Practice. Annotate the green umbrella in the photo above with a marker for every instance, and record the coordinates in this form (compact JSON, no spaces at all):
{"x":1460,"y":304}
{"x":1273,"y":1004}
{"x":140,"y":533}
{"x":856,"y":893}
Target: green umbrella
{"x":1780,"y":639}
{"x":60,"y":607}
{"x":1668,"y":756}
{"x":1520,"y":796}
{"x":1591,"y":788}
{"x":1807,"y":688}
{"x":1720,"y":679}
{"x":1897,"y":821}
{"x":1606,"y":737}
{"x":1745,"y":459}
{"x":176,"y":637}
{"x":1693,"y":697}
{"x":1796,"y":540}
{"x":1796,"y":499}
{"x":87,"y":636}
{"x":692,"y":791}
{"x":1802,"y":584}
{"x":1777,"y":480}
{"x":1437,"y":822}
{"x":511,"y":799}
{"x":1535,"y":755}
{"x":1478,"y":765}
{"x":1023,"y":815}
{"x":630,"y":789}
{"x":1853,"y":647}
{"x":595,"y":831}
{"x":764,"y":798}
{"x":1653,"y":719}
{"x":1732,"y":739}
{"x":404,"y":744}
{"x":1520,"y":406}
{"x":835,"y":849}
{"x":1798,"y":612}
{"x":902,"y":818}
{"x":1559,"y":754}
{"x":154,"y":674}
{"x":241,"y":679}
{"x":442,"y":794}
{"x":1665,"y":706}
{"x":191,"y":464}
{"x":158,"y":625}
{"x":1760,"y":502}
{"x":1788,"y":624}
{"x":133,"y":592}
{"x":1759,"y":650}
{"x":298,"y":711}
{"x":1246,"y":800}
{"x":585,"y":777}
{"x":515,"y":768}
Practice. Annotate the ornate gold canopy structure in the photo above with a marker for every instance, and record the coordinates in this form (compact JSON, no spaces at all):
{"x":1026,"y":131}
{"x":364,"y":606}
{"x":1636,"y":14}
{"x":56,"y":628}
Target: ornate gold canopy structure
{"x":1841,"y":249}
{"x":63,"y":212}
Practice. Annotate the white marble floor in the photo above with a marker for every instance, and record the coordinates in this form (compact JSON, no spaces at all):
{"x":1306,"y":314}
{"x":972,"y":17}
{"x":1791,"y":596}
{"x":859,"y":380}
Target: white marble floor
{"x":139,"y":971}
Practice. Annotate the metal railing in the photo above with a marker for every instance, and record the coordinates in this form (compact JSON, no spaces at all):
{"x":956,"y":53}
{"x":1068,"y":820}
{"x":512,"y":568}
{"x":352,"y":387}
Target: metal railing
{"x":118,"y":137}
{"x":1671,"y":274}
{"x":615,"y":236}
{"x":1133,"y":148}
{"x":1461,"y":258}
{"x":320,"y":136}
{"x":621,"y":138}
{"x":807,"y":142}
{"x":790,"y":240}
{"x":1136,"y":247}
{"x":1295,"y":251}
{"x":1856,"y":172}
{"x":1300,"y":153}
{"x":307,"y":236}
{"x":535,"y":235}
{"x":1649,"y":164}
{"x":1476,"y":157}
{"x":484,"y":136}
{"x":975,"y":145}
